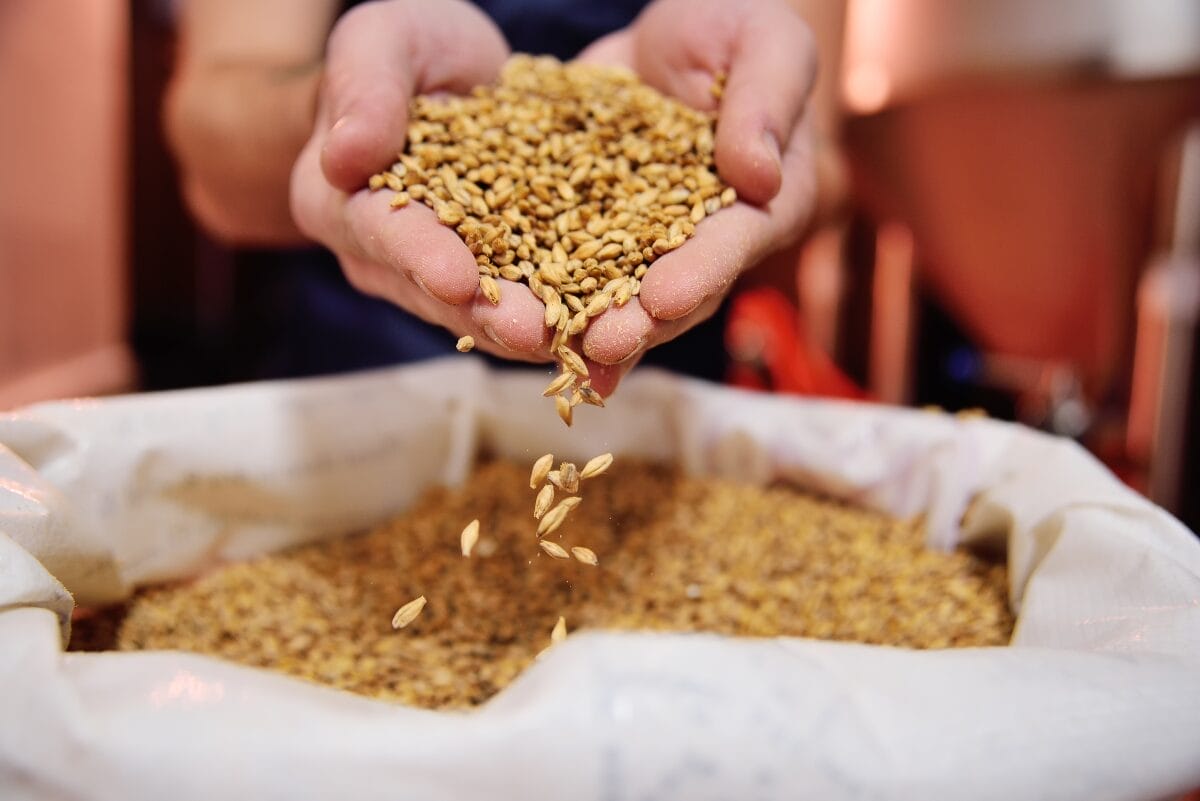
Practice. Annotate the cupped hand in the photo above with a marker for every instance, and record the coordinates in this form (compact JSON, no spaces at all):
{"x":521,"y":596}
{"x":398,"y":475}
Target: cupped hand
{"x":763,"y":148}
{"x":379,"y":56}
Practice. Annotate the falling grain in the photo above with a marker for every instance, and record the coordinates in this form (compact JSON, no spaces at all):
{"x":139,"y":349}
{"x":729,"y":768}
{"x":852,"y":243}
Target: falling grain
{"x":596,"y":465}
{"x":552,"y":520}
{"x":541,"y":504}
{"x":562,"y":381}
{"x":469,"y":536}
{"x":563,"y":407}
{"x":408,"y":613}
{"x":585,"y":555}
{"x":554,"y":549}
{"x":540,"y":468}
{"x":572,"y":361}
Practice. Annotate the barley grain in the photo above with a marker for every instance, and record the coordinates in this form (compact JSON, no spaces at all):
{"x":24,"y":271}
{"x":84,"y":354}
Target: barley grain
{"x":568,"y":474}
{"x":541,"y":504}
{"x":589,"y":395}
{"x":490,"y":289}
{"x":585,"y":555}
{"x":552,"y":520}
{"x":563,"y":407}
{"x":680,"y":553}
{"x":564,"y":380}
{"x":572,"y":361}
{"x":469,"y":536}
{"x":542,"y":197}
{"x":596,"y":465}
{"x":408,"y":613}
{"x":540,"y":468}
{"x":554,"y":549}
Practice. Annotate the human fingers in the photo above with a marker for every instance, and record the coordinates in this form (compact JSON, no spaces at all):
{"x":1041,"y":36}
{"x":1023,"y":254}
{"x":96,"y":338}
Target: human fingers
{"x":619,"y":337}
{"x":381,"y":54}
{"x":431,"y":257}
{"x":767,"y":54}
{"x":614,"y":48}
{"x":734,"y":239}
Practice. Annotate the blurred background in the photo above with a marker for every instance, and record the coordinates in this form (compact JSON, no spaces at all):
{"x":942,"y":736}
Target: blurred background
{"x":1013,"y":225}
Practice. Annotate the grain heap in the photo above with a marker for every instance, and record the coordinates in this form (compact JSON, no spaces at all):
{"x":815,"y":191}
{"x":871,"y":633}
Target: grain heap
{"x":680,"y":554}
{"x":571,"y":179}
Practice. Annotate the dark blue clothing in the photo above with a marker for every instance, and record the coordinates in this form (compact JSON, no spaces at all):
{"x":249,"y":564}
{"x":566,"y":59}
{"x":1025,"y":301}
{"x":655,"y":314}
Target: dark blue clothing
{"x":313,"y":322}
{"x":558,"y":27}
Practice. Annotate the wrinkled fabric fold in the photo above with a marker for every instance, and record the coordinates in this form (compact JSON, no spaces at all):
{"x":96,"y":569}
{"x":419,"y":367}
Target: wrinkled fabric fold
{"x":1098,"y":696}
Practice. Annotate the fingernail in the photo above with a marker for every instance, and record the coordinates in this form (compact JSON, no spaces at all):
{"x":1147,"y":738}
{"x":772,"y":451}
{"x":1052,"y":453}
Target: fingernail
{"x":771,"y":145}
{"x":334,"y":154}
{"x":341,"y":122}
{"x":416,"y":279}
{"x":636,"y":352}
{"x":492,"y":335}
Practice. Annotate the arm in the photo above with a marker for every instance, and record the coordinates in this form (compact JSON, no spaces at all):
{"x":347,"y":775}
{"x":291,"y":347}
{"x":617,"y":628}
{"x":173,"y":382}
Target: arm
{"x":240,"y":107}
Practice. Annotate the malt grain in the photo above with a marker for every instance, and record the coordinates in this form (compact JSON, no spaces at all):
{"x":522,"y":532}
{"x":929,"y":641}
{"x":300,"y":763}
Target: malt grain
{"x":680,"y":554}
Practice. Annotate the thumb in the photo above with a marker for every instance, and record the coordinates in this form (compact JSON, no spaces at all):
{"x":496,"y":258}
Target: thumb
{"x":381,"y":54}
{"x":771,"y":73}
{"x":769,"y":56}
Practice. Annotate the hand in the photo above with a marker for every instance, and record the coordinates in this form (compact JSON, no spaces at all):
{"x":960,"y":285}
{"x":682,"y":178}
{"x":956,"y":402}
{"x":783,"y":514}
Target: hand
{"x":763,"y":148}
{"x":380,"y":55}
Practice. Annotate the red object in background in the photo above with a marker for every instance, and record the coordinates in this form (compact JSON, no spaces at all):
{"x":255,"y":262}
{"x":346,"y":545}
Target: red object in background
{"x":770,"y":352}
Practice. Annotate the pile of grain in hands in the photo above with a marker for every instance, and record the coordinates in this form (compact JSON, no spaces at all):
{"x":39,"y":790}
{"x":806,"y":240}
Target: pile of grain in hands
{"x":570,"y":179}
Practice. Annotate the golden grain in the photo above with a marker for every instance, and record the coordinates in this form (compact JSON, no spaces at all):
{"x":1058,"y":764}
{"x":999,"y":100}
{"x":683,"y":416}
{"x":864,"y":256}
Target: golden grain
{"x":469,"y":536}
{"x":572,"y":361}
{"x":585,"y":555}
{"x":540,"y":468}
{"x":552,"y":520}
{"x":553,"y":307}
{"x":564,"y":380}
{"x":563,"y":407}
{"x":541,"y":504}
{"x":559,"y":175}
{"x":408,"y":613}
{"x":598,"y":304}
{"x":596,"y":465}
{"x":554,"y":549}
{"x":681,"y":554}
{"x":490,"y":289}
{"x":568,"y":475}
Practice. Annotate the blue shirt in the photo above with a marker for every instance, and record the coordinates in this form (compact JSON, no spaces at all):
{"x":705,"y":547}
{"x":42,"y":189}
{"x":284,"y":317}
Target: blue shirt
{"x":558,"y":27}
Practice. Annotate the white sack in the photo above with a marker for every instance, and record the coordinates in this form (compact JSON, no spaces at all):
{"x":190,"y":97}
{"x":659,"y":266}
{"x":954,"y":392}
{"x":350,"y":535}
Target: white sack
{"x":1097,"y":698}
